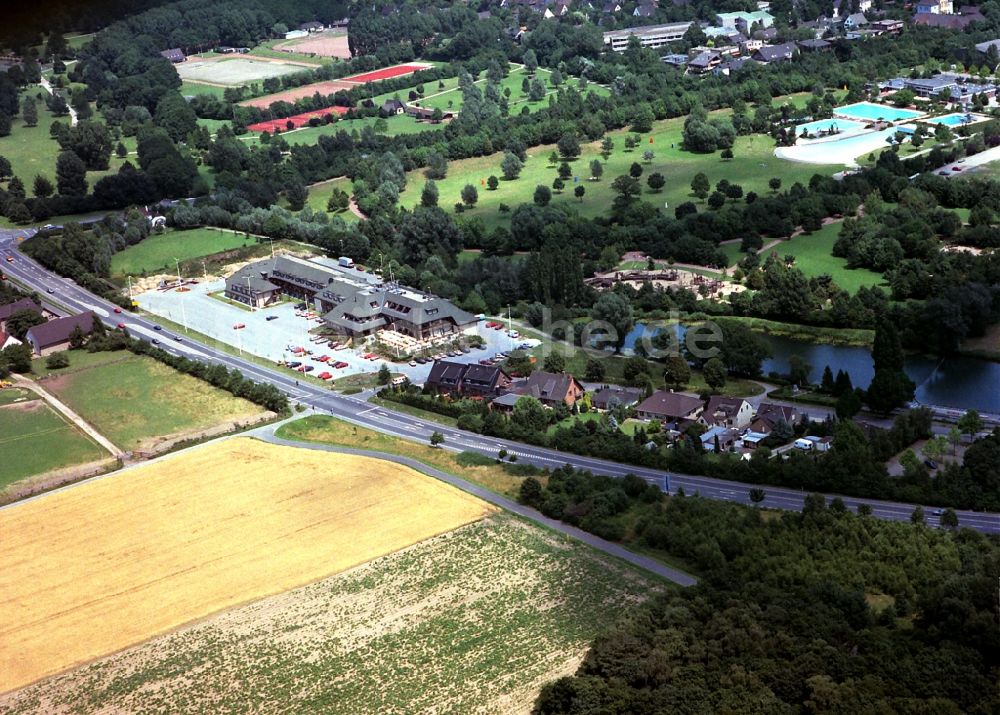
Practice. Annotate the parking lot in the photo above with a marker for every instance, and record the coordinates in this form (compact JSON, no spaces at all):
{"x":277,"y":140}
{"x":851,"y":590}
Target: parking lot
{"x":273,"y":332}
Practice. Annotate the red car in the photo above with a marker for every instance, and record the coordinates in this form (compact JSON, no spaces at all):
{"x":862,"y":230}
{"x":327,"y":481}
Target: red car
{"x":121,"y":326}
{"x":340,"y":364}
{"x":239,"y":326}
{"x":322,"y":358}
{"x":325,"y":375}
{"x":118,"y":310}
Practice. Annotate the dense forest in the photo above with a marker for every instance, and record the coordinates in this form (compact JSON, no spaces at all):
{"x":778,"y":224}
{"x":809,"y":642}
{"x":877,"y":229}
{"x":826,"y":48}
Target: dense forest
{"x":818,"y":612}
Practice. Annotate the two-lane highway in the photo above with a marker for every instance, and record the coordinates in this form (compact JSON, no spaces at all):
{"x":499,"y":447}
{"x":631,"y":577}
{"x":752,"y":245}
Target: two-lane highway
{"x":362,"y":413}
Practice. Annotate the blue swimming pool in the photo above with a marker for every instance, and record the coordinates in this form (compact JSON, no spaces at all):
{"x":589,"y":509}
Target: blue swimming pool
{"x":821,"y":126}
{"x":957,"y":119}
{"x":870,"y":112}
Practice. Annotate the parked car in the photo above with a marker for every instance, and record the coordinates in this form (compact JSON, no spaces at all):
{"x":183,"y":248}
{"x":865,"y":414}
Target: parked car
{"x":121,"y":326}
{"x":155,"y":341}
{"x":325,"y":375}
{"x":486,"y":362}
{"x":294,"y":364}
{"x":157,"y":327}
{"x":322,"y":358}
{"x":930,"y":464}
{"x":340,"y":365}
{"x":307,"y":368}
{"x":177,"y":338}
{"x":413,"y":363}
{"x":239,"y":326}
{"x":271,"y":317}
{"x":421,"y":361}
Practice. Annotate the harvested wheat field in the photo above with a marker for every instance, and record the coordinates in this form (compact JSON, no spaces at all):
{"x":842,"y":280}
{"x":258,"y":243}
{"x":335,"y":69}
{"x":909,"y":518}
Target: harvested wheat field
{"x":471,"y":621}
{"x":107,"y":564}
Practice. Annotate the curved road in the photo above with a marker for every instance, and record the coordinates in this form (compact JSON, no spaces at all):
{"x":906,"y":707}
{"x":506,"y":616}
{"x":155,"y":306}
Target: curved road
{"x":356,"y":410}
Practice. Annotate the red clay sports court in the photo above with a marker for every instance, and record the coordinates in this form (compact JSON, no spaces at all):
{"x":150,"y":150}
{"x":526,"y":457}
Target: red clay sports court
{"x":386,"y":73}
{"x":298,"y":120}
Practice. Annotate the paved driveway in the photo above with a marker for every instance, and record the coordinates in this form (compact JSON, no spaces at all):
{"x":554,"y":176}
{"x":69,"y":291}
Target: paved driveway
{"x":273,"y":339}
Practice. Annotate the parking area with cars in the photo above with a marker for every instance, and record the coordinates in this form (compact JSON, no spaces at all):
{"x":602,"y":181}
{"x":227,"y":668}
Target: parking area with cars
{"x":281,"y":333}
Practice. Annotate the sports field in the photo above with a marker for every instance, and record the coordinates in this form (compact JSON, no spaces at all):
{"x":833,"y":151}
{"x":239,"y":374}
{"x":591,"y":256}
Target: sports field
{"x":141,"y":552}
{"x":156,"y":254}
{"x":232,"y":71}
{"x":331,"y":43}
{"x":296,"y":120}
{"x":290,"y":95}
{"x":35,"y":439}
{"x":387,"y":72}
{"x":136,"y":401}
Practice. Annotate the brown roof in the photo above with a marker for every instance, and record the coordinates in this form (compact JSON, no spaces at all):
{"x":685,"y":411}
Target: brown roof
{"x":725,"y":404}
{"x":672,"y":405}
{"x":547,"y":385}
{"x":23,"y":304}
{"x":58,"y":331}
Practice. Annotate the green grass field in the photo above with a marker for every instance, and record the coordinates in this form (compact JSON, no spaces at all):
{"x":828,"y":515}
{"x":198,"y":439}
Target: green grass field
{"x":31,"y":151}
{"x":157,"y":253}
{"x":753,"y":165}
{"x":34,"y":439}
{"x":310,"y":135}
{"x":190,"y":89}
{"x":131,"y":399}
{"x":813,"y":258}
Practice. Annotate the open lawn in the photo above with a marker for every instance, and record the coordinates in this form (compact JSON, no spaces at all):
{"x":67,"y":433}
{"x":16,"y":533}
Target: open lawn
{"x":310,"y":135}
{"x":134,"y":401}
{"x":753,"y":165}
{"x":35,"y":439}
{"x":185,"y":546}
{"x":813,"y":258}
{"x":156,"y":254}
{"x":472,"y":621}
{"x":190,"y":89}
{"x":31,"y":151}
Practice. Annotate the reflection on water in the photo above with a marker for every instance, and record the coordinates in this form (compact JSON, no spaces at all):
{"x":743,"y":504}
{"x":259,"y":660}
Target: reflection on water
{"x":960,"y":382}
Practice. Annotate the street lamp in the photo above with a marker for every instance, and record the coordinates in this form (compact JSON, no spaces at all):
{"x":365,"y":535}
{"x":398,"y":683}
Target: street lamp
{"x":178,"y":264}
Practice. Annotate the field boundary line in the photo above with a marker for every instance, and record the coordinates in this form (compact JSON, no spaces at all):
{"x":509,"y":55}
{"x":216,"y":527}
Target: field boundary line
{"x":646,"y":563}
{"x":69,"y":414}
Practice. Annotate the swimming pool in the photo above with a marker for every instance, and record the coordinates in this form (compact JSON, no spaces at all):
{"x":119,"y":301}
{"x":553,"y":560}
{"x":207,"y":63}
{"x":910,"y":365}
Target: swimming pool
{"x":870,"y":112}
{"x":957,"y":119}
{"x":825,"y":125}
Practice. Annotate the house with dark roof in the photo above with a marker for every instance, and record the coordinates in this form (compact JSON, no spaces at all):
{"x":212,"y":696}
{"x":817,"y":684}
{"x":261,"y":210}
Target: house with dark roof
{"x":770,"y":54}
{"x":704,"y":62}
{"x":551,"y":388}
{"x":967,"y":14}
{"x":392,"y":107}
{"x":312,"y":26}
{"x":10,"y":308}
{"x":770,"y":414}
{"x":54,"y":335}
{"x":814,"y":45}
{"x":175,"y":55}
{"x":467,"y":380}
{"x":855,"y":21}
{"x":725,"y":411}
{"x":723,"y":437}
{"x":446,"y":376}
{"x":670,"y":407}
{"x":609,"y":397}
{"x":644,"y":9}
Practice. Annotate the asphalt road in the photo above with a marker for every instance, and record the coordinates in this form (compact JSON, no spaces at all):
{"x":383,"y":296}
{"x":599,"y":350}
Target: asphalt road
{"x":356,"y":410}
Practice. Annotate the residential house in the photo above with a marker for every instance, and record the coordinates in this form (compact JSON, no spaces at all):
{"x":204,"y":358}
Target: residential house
{"x":855,"y":21}
{"x":984,"y":47}
{"x":611,"y":7}
{"x":771,"y":54}
{"x":609,"y":397}
{"x":54,"y":335}
{"x":446,"y":376}
{"x":392,"y":107}
{"x":724,"y":411}
{"x":23,"y":304}
{"x":650,"y":36}
{"x":967,"y":14}
{"x":644,"y":9}
{"x":678,"y":61}
{"x":551,"y":388}
{"x":175,"y":55}
{"x":426,"y":113}
{"x":703,"y":63}
{"x":7,"y":340}
{"x":485,"y":381}
{"x":770,"y":414}
{"x":727,"y":67}
{"x":926,"y":7}
{"x":670,"y":407}
{"x":312,"y":26}
{"x":886,"y":27}
{"x":842,"y":8}
{"x":724,"y":437}
{"x":814,"y":45}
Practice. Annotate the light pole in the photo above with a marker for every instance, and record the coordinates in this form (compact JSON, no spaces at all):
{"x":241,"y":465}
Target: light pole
{"x":178,"y":264}
{"x":249,"y":295}
{"x":130,"y":302}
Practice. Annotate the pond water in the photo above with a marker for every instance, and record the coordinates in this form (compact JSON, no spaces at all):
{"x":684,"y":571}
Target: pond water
{"x":958,"y":382}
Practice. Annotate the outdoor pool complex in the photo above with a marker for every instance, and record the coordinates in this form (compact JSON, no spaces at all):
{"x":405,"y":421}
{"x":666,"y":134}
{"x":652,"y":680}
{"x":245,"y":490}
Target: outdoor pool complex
{"x":825,"y":125}
{"x":957,"y":119}
{"x":870,"y":112}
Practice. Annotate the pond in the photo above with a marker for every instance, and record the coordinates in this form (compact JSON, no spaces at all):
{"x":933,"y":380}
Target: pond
{"x":957,"y":382}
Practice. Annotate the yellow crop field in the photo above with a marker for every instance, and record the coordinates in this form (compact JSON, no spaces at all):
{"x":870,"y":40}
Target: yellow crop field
{"x":95,"y":568}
